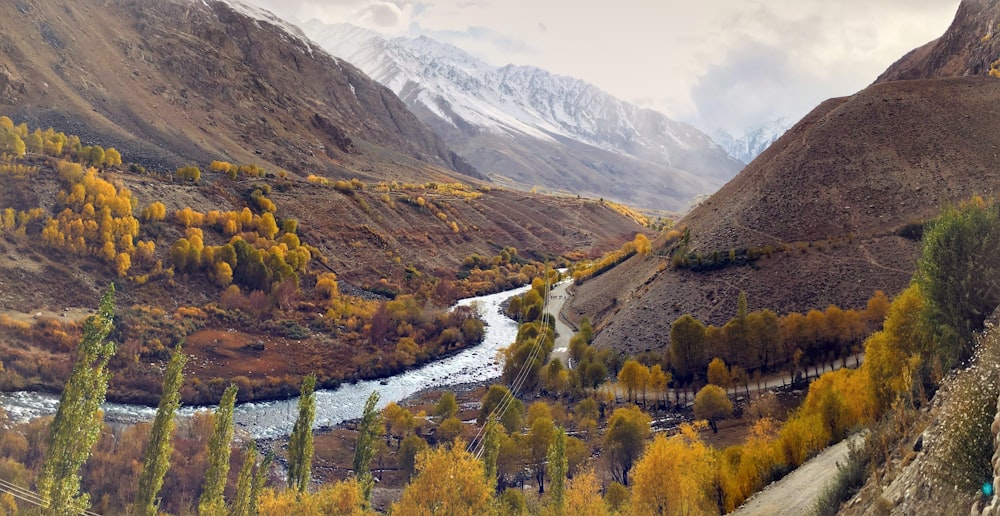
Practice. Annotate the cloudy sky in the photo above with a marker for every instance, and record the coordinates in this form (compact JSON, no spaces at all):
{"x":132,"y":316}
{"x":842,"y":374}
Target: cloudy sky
{"x":719,"y":64}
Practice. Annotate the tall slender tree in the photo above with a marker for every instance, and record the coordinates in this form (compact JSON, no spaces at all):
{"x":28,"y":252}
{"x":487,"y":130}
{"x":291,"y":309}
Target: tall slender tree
{"x":212,"y":499}
{"x":77,"y":423}
{"x":558,"y":468}
{"x":300,"y":445}
{"x":156,"y":460}
{"x":364,"y":450}
{"x":244,"y":484}
{"x":491,"y":451}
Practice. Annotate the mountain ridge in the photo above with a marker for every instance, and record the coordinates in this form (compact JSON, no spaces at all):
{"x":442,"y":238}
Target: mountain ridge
{"x":536,"y":127}
{"x":202,"y":80}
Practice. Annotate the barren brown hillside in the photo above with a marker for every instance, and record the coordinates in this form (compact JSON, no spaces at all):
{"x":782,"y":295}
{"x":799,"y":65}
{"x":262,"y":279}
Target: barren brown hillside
{"x":968,"y":47}
{"x":174,"y":81}
{"x":836,"y":189}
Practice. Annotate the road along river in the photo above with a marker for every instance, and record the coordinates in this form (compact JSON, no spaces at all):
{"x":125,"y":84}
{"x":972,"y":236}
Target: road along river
{"x":333,"y":406}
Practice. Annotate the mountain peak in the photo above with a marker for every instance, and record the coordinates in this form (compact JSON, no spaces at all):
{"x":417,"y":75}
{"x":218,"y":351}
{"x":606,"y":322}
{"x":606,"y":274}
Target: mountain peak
{"x":969,"y":47}
{"x":526,"y":124}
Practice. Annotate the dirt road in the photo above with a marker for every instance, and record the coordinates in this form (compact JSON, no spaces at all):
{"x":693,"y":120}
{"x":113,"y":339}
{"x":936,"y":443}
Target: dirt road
{"x":797,"y":493}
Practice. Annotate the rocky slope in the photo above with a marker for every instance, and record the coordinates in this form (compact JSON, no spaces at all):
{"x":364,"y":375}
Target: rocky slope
{"x":837,"y":193}
{"x":525,"y":124}
{"x":968,"y":47}
{"x":177,"y":81}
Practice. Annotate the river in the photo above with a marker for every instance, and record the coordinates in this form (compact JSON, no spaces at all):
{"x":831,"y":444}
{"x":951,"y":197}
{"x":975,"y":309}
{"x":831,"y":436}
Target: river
{"x":333,"y":406}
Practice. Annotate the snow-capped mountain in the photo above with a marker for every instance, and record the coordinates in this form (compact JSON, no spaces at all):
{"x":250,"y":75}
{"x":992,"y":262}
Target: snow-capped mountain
{"x":753,"y":141}
{"x":537,"y":128}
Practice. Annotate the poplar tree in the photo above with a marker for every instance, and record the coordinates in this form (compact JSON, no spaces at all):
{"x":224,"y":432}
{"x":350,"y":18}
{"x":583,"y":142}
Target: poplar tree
{"x":364,"y":450}
{"x":558,"y":468}
{"x":212,"y":499}
{"x":300,"y":445}
{"x":491,"y":451}
{"x":244,"y":485}
{"x":78,"y":420}
{"x":156,"y":460}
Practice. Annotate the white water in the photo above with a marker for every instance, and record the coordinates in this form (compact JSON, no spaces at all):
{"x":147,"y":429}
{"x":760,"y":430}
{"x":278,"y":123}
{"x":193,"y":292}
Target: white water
{"x":333,"y":406}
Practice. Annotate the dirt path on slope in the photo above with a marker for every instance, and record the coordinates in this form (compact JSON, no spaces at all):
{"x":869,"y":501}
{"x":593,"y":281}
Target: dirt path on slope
{"x":797,"y":493}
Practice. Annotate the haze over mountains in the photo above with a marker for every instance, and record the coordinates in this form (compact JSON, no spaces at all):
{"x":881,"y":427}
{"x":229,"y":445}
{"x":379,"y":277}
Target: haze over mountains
{"x":536,"y":128}
{"x":747,"y":145}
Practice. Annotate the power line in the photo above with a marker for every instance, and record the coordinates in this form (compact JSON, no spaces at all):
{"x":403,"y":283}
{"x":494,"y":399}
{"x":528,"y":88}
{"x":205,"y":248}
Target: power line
{"x":29,"y":496}
{"x":477,"y":446}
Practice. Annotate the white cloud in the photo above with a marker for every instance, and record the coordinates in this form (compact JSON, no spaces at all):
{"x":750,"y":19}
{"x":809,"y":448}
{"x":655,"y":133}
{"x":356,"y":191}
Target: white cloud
{"x":717,"y":63}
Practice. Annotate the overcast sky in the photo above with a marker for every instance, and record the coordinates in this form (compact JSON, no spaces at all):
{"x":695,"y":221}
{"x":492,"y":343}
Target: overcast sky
{"x":729,"y":64}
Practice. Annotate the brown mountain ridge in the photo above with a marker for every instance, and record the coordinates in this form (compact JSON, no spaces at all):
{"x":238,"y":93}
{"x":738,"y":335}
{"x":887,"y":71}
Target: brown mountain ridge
{"x":833,"y":198}
{"x":174,"y":81}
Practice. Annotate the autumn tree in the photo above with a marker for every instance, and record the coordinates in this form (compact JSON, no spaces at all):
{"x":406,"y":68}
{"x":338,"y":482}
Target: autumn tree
{"x":896,"y":357}
{"x":633,"y":376}
{"x":399,"y":422}
{"x":77,"y":423}
{"x":189,"y":173}
{"x":344,"y":498}
{"x":212,"y":499}
{"x":156,"y":460}
{"x":364,"y":449}
{"x":583,"y":496}
{"x":675,"y":476}
{"x":538,"y":440}
{"x":300,"y":444}
{"x":448,"y":481}
{"x":712,"y":403}
{"x":718,"y":373}
{"x":628,"y":429}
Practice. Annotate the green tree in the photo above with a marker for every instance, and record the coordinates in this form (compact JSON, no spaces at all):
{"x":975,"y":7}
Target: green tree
{"x":300,"y":444}
{"x":959,"y":259}
{"x":77,"y":423}
{"x":242,"y":506}
{"x":368,"y":432}
{"x":156,"y":460}
{"x":628,"y":429}
{"x":510,"y":410}
{"x":446,"y":407}
{"x":711,"y":403}
{"x":558,"y":468}
{"x":409,"y":448}
{"x":491,"y":450}
{"x":212,"y":499}
{"x":687,"y":339}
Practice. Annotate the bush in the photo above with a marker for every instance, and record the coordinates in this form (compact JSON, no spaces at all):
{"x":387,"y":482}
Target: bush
{"x":850,"y":476}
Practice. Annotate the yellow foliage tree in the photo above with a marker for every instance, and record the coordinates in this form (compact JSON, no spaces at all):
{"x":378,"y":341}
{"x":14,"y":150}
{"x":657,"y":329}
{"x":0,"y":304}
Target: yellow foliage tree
{"x":122,"y":264}
{"x":583,"y":496}
{"x":448,"y":481}
{"x":342,"y":498}
{"x":675,"y":475}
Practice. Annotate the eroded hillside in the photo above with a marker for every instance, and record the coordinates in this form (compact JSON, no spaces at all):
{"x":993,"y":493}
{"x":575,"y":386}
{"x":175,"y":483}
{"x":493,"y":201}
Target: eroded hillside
{"x":833,"y":210}
{"x":175,"y":81}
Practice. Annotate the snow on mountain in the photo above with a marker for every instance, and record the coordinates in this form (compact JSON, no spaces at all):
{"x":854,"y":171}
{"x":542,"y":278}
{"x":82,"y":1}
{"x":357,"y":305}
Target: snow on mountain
{"x":753,"y":141}
{"x":468,"y":101}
